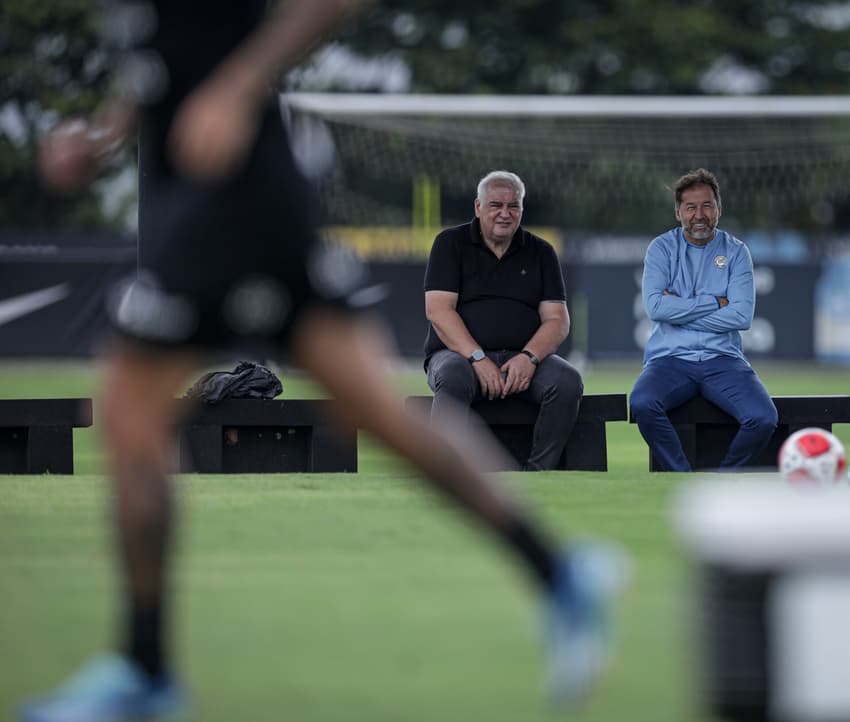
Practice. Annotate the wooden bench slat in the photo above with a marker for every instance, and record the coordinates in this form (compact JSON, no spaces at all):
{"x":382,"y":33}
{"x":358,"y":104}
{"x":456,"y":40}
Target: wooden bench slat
{"x":791,"y":409}
{"x":16,"y":413}
{"x":797,"y":409}
{"x":602,"y":407}
{"x":260,"y":412}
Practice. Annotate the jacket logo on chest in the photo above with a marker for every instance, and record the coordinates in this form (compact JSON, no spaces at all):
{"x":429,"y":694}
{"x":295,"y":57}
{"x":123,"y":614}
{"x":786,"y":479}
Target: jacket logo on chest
{"x":523,"y":272}
{"x":721,"y":261}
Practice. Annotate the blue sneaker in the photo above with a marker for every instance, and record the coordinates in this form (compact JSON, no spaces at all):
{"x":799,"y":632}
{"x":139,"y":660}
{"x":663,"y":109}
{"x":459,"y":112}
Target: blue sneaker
{"x":587,"y":579}
{"x":108,"y":689}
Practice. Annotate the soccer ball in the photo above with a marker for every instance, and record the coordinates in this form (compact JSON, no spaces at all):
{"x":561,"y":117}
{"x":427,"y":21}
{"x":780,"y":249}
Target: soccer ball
{"x":812,"y":456}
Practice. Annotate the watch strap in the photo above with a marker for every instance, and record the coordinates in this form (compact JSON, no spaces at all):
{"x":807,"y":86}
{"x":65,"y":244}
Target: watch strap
{"x":534,"y":359}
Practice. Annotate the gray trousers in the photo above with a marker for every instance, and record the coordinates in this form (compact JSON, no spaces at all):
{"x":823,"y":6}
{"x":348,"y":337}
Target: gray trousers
{"x":556,"y":388}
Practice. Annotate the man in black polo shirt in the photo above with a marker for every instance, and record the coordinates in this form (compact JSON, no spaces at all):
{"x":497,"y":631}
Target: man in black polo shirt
{"x":496,"y":303}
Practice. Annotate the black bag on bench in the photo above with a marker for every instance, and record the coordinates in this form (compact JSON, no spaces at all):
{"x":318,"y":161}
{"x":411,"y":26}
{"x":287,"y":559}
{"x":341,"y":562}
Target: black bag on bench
{"x":247,"y":381}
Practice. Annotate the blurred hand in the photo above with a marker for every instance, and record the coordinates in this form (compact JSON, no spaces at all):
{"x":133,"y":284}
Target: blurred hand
{"x":213,"y":131}
{"x":669,"y":293}
{"x":518,"y":372}
{"x":723,"y":301}
{"x":69,"y":156}
{"x":77,"y":150}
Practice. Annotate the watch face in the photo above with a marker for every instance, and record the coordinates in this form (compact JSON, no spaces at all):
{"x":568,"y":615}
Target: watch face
{"x":477,"y":355}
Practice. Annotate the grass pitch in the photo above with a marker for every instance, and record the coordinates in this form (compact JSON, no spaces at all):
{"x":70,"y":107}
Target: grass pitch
{"x":335,"y":598}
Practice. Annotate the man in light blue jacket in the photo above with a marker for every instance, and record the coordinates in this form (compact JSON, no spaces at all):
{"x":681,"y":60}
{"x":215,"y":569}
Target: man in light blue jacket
{"x":698,"y":291}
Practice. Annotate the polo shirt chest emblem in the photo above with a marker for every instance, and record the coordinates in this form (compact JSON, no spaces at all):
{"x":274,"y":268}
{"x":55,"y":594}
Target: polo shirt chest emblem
{"x":721,"y":261}
{"x":523,"y":272}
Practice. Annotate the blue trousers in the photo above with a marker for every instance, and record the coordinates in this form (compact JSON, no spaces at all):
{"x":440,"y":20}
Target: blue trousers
{"x":727,"y":382}
{"x":556,"y":387}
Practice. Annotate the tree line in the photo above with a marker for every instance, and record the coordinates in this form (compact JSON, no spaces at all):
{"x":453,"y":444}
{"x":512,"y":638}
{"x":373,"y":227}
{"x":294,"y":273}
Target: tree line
{"x":53,"y":62}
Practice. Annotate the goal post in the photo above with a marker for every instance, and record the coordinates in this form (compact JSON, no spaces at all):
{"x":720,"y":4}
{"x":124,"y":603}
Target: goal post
{"x":600,"y":164}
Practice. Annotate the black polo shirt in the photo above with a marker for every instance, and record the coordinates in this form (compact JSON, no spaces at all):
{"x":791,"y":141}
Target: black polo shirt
{"x":498,"y":298}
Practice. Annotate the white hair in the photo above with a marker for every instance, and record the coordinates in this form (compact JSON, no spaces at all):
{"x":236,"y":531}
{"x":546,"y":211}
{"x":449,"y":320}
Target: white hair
{"x":501,"y":178}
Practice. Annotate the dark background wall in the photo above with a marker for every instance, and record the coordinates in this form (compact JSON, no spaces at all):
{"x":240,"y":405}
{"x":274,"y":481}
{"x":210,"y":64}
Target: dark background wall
{"x":783,"y":326}
{"x":51,"y":302}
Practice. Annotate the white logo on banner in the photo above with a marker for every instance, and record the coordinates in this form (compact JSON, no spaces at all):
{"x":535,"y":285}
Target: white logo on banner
{"x":11,"y":309}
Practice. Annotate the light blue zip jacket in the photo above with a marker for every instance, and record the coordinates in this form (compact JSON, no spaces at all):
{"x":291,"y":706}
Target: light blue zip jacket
{"x":691,"y":325}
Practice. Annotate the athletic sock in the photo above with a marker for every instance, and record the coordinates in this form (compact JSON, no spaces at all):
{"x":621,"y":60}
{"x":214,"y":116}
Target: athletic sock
{"x":144,"y":638}
{"x":529,"y":544}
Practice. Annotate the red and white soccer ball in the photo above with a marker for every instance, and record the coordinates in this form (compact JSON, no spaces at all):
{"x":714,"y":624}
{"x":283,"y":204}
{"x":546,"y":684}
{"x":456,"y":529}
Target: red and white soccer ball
{"x":812,"y":456}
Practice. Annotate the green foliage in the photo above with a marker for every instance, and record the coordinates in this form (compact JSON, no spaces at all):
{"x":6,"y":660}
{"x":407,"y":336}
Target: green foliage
{"x":607,"y":46}
{"x":52,"y":62}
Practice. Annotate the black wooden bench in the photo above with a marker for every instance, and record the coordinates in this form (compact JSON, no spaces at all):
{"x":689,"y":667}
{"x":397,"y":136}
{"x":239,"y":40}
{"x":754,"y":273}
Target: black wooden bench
{"x":511,"y":421}
{"x":265,"y":436}
{"x":706,"y":431}
{"x":36,"y":435}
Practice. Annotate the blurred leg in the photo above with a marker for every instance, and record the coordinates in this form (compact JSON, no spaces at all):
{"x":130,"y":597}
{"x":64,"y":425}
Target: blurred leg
{"x":139,"y":418}
{"x":579,"y":583}
{"x":347,"y":357}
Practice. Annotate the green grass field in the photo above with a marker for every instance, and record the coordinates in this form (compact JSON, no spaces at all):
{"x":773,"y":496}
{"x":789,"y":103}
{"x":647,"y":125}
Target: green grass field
{"x":334,"y":598}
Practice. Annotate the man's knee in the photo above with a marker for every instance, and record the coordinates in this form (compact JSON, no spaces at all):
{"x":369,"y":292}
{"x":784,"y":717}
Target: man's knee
{"x":764,"y":420}
{"x":644,"y":404}
{"x":570,"y":386}
{"x":563,"y":381}
{"x":452,"y":374}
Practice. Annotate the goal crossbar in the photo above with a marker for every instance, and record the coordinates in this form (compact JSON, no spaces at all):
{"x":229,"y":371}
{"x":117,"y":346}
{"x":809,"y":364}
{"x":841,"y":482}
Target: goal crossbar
{"x":657,"y":106}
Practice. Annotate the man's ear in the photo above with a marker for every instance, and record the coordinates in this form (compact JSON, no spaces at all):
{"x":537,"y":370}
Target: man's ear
{"x":676,"y":211}
{"x":477,"y":208}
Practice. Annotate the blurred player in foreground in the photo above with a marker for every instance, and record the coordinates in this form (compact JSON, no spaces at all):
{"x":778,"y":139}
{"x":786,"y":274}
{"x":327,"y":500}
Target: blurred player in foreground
{"x":229,"y":258}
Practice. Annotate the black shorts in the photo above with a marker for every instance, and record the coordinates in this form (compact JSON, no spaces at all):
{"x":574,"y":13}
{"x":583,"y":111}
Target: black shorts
{"x":229,"y":264}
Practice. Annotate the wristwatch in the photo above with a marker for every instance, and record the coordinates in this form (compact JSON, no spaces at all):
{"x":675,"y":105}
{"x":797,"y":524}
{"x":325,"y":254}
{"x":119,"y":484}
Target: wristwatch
{"x":534,"y":359}
{"x":477,"y":355}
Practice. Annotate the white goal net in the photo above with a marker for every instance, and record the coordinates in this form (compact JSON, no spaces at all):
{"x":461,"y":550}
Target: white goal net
{"x":598,"y":164}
